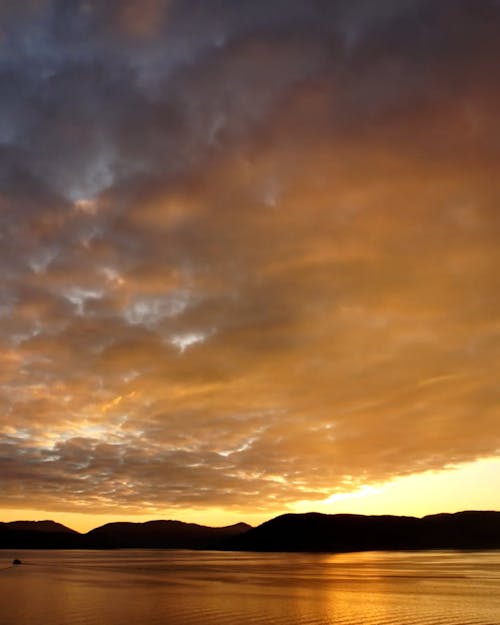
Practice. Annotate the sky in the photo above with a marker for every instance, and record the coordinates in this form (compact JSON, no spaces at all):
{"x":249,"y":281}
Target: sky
{"x":249,"y":258}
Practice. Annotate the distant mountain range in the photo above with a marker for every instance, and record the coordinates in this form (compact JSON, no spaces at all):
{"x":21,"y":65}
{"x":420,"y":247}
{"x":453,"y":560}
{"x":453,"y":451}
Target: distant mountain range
{"x":166,"y":534}
{"x":38,"y":535}
{"x":39,"y":526}
{"x":349,"y":532}
{"x":288,"y":532}
{"x":153,"y":534}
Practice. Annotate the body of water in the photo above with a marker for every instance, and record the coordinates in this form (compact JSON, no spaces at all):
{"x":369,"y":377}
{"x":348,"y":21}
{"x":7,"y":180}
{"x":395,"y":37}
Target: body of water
{"x":146,"y":587}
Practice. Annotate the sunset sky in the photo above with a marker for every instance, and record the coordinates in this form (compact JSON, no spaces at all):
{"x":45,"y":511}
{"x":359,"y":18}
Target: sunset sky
{"x":250,"y":258}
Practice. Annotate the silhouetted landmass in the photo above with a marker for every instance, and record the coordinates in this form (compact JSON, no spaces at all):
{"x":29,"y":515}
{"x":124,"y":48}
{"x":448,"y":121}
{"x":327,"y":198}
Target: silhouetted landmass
{"x":153,"y":534}
{"x":41,"y":526}
{"x":350,"y":532}
{"x":164,"y":534}
{"x":28,"y":535}
{"x":289,"y":532}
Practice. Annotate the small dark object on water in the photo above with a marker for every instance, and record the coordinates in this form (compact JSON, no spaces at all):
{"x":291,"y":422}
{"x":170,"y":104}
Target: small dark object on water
{"x":16,"y":561}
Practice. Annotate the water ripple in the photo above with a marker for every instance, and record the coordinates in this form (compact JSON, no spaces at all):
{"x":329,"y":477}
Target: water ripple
{"x":188,"y":588}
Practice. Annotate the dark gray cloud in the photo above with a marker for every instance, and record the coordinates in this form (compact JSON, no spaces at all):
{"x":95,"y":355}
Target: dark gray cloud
{"x":248,"y":249}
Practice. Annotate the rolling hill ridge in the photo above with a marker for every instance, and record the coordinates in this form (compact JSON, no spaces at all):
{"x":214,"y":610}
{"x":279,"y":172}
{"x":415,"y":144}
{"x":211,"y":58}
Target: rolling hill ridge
{"x":288,"y":532}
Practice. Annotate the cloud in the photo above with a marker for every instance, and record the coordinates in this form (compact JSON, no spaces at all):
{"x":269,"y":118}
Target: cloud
{"x":248,"y":251}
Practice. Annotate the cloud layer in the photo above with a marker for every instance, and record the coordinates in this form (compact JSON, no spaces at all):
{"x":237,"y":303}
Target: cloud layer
{"x":248,"y":249}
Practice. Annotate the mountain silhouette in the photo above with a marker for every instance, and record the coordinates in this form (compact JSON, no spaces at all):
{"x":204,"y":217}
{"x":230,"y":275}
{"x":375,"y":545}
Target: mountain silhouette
{"x":41,"y":526}
{"x":161,"y":534}
{"x":38,"y":535}
{"x":349,"y":532}
{"x":152,"y":534}
{"x":289,"y":532}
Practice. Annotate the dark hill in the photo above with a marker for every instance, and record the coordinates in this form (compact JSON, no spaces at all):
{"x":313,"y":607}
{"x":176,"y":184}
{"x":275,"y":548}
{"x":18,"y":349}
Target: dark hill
{"x":289,"y":532}
{"x":464,"y":530}
{"x":349,"y":532}
{"x":41,"y":526}
{"x":38,"y":535}
{"x":161,"y":534}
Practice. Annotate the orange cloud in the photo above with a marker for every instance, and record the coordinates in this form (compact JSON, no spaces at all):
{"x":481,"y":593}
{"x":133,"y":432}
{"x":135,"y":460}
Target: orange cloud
{"x":287,"y":288}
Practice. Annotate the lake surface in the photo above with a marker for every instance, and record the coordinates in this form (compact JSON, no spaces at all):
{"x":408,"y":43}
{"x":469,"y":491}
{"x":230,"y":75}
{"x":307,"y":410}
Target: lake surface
{"x":144,"y":587}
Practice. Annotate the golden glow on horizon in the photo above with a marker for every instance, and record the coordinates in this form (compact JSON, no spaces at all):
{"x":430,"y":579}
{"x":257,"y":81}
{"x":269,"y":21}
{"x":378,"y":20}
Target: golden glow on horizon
{"x":415,"y":495}
{"x":421,"y":494}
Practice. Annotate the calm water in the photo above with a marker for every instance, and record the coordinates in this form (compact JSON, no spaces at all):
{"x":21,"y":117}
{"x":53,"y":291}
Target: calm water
{"x":140,"y":587}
